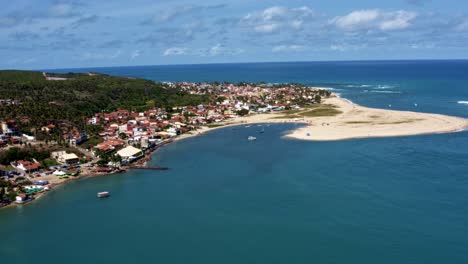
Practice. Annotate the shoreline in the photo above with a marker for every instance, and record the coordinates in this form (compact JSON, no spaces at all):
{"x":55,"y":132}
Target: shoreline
{"x":354,"y":122}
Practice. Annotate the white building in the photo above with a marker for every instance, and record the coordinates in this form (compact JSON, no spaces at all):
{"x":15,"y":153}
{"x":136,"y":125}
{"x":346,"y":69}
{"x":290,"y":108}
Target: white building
{"x":64,"y":157}
{"x":130,"y":153}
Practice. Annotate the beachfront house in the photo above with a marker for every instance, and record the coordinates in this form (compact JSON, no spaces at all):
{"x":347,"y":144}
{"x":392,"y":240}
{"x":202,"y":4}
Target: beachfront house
{"x":130,"y":154}
{"x":24,"y":166}
{"x":65,"y":158}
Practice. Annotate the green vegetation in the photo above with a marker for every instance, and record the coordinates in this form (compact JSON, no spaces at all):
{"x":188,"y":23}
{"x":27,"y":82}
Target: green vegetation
{"x":322,"y":111}
{"x":27,"y":153}
{"x":215,"y":125}
{"x":358,"y":122}
{"x":91,"y":142}
{"x":310,"y":111}
{"x":400,"y":122}
{"x":49,"y":162}
{"x":82,"y":95}
{"x":243,"y":112}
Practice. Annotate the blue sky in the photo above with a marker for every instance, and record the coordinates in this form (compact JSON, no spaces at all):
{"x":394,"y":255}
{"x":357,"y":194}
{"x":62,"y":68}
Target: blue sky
{"x":88,"y":33}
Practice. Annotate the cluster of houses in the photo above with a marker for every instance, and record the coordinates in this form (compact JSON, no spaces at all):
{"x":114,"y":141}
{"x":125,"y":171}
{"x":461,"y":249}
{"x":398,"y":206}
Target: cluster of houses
{"x":9,"y":133}
{"x":128,"y":134}
{"x":145,"y":129}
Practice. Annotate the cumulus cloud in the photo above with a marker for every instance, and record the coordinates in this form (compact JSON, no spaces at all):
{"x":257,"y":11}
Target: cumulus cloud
{"x":374,"y":19}
{"x":276,"y":18}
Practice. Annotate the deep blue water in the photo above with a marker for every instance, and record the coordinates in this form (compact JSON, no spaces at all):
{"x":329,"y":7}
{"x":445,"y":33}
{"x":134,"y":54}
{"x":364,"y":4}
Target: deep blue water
{"x":227,"y":200}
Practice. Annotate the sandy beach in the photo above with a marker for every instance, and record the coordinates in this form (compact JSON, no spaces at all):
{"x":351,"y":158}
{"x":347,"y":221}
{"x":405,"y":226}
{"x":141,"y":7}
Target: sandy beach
{"x":353,"y":121}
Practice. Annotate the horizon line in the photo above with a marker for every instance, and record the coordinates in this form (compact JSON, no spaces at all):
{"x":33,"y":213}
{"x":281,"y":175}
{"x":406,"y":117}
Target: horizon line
{"x":246,"y":62}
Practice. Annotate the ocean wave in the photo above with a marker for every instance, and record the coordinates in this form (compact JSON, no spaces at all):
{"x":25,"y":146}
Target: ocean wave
{"x":331,"y":89}
{"x":358,"y":85}
{"x":462,"y":102}
{"x":347,"y":100}
{"x":383,"y":87}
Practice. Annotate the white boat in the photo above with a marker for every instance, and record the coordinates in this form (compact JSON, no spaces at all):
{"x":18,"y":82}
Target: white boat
{"x":103,"y":194}
{"x":251,"y":138}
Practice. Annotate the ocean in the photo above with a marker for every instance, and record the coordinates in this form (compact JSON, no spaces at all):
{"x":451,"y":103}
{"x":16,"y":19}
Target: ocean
{"x":275,"y":200}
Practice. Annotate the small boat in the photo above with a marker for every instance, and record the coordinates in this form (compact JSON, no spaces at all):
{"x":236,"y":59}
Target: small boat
{"x":262,"y":131}
{"x":247,"y":126}
{"x":103,"y":194}
{"x":251,"y":138}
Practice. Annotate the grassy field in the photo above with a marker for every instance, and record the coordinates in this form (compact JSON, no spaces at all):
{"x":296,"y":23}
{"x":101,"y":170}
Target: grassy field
{"x":215,"y":125}
{"x":310,"y":111}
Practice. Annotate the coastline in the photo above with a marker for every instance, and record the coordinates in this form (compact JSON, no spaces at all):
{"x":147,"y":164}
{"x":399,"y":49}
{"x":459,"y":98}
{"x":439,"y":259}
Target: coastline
{"x":353,"y":122}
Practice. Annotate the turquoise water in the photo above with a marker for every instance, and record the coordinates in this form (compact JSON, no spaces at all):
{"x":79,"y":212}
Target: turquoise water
{"x":227,"y":200}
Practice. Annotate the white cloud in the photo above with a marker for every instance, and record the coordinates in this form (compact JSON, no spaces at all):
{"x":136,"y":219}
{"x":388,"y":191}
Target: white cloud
{"x":356,"y":19}
{"x":346,"y":47}
{"x":397,"y":20}
{"x":338,"y":47}
{"x":422,"y":46}
{"x":277,"y":18}
{"x":267,"y":28}
{"x":135,"y":54}
{"x":216,"y":50}
{"x":287,"y":48}
{"x":374,"y":19}
{"x":175,"y":51}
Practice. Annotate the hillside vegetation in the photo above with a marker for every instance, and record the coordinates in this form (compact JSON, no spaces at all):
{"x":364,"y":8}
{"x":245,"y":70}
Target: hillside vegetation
{"x":81,"y":95}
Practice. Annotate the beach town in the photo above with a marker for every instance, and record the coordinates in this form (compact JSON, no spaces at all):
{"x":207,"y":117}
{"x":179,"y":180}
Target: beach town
{"x":124,"y":139}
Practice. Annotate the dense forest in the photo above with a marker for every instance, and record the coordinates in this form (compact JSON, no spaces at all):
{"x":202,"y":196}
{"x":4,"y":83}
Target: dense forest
{"x":81,"y":95}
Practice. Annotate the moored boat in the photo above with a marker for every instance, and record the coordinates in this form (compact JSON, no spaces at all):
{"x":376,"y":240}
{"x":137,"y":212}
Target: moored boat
{"x":103,"y":194}
{"x":251,"y":138}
